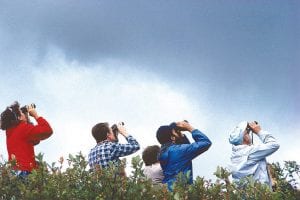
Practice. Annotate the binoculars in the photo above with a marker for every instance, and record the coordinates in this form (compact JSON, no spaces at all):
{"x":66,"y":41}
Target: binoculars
{"x":24,"y":108}
{"x":178,"y":129}
{"x":115,"y":130}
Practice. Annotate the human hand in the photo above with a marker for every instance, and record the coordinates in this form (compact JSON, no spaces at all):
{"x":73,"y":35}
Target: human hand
{"x":255,"y":127}
{"x":32,"y":112}
{"x":184,"y":126}
{"x":122,"y":130}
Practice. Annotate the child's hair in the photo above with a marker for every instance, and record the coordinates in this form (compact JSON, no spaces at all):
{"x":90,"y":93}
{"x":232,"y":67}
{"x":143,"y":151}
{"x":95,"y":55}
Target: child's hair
{"x":150,"y":155}
{"x":10,"y":116}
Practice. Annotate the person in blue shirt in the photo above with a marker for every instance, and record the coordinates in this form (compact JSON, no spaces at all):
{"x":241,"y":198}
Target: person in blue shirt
{"x":177,"y":152}
{"x":248,"y":159}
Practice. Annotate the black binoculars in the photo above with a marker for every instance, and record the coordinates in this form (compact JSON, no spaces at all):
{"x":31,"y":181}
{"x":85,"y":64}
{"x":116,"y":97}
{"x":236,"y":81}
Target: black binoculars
{"x":178,"y":129}
{"x":115,"y":130}
{"x":24,"y":108}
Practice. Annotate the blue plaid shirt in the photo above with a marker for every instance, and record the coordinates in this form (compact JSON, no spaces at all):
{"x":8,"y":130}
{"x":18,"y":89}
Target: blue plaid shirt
{"x":107,"y":151}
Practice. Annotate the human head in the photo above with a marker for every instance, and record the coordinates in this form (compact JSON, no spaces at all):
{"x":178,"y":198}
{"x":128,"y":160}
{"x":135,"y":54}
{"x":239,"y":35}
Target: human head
{"x":163,"y":134}
{"x":150,"y":155}
{"x":168,"y":133}
{"x":240,"y":134}
{"x":11,"y":116}
{"x":102,"y":131}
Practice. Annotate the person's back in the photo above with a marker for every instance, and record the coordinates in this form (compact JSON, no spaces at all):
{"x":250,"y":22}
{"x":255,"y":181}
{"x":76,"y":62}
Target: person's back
{"x":175,"y":159}
{"x":107,"y":148}
{"x":154,"y":172}
{"x":152,"y":169}
{"x":250,"y":159}
{"x":21,"y":135}
{"x":177,"y":152}
{"x":20,"y":143}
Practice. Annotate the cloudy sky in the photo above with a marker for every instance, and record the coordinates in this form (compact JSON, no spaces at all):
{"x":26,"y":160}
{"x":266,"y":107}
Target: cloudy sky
{"x":149,"y":63}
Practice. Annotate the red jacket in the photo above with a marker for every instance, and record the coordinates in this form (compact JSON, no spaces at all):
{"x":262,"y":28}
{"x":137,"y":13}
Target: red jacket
{"x":20,"y":141}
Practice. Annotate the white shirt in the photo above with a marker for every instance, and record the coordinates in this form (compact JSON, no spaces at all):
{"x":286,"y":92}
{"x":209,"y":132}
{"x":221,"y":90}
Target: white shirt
{"x":154,"y":172}
{"x":251,"y":160}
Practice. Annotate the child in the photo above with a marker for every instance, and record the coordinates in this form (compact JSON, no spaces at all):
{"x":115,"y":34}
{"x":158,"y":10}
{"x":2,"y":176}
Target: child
{"x":153,"y":169}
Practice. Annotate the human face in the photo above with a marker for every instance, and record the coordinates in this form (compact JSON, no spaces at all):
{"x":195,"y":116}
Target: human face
{"x":111,"y":136}
{"x":247,"y":138}
{"x":23,"y":117}
{"x":176,"y":135}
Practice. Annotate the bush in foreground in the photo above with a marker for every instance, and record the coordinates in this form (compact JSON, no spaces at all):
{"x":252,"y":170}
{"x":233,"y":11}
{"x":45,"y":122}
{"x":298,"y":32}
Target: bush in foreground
{"x":76,"y":182}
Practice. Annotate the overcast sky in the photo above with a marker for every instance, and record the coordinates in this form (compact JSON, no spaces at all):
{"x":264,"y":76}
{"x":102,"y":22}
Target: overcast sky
{"x":149,"y":63}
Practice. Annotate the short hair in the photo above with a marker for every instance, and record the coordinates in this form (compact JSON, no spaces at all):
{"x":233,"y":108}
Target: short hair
{"x":10,"y":116}
{"x":150,"y":155}
{"x":100,"y":131}
{"x":163,"y":134}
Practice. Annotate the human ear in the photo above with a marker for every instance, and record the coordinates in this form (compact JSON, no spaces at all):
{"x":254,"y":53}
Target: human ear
{"x":173,"y":138}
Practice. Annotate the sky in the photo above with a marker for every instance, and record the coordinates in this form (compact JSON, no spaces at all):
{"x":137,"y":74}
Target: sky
{"x":149,"y":63}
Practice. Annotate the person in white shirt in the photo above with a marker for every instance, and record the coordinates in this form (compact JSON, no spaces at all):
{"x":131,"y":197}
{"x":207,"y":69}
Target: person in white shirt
{"x":248,"y":159}
{"x":152,"y":169}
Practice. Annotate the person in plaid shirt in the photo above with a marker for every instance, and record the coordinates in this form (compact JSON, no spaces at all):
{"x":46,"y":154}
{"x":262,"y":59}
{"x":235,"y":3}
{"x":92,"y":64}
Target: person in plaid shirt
{"x":108,"y":149}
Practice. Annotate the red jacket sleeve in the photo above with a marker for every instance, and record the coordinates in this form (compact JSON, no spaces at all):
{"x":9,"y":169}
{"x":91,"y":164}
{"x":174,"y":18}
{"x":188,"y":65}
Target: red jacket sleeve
{"x":40,"y":131}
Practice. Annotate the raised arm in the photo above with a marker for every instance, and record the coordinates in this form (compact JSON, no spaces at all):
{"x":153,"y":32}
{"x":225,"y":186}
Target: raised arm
{"x":126,"y":149}
{"x":269,"y":144}
{"x":188,"y":152}
{"x":40,"y":131}
{"x":261,"y":151}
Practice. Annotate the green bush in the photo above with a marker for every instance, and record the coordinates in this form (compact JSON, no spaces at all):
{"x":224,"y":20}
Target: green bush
{"x":76,"y":182}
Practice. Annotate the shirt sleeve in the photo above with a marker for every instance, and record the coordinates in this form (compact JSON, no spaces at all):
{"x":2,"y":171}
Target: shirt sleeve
{"x":126,"y":149}
{"x":187,"y":152}
{"x":269,"y":145}
{"x":40,"y":131}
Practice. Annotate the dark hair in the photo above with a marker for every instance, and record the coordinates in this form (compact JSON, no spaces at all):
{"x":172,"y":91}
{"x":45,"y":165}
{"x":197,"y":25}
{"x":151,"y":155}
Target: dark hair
{"x":100,"y":131}
{"x":163,"y":134}
{"x":150,"y":155}
{"x":10,"y":116}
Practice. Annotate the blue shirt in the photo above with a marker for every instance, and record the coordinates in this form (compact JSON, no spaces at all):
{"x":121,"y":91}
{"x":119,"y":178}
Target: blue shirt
{"x":176,"y":158}
{"x":107,"y":151}
{"x":251,"y":160}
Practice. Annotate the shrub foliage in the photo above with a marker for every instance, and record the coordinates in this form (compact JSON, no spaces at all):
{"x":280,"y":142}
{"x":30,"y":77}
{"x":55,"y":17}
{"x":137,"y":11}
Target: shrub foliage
{"x":76,"y":182}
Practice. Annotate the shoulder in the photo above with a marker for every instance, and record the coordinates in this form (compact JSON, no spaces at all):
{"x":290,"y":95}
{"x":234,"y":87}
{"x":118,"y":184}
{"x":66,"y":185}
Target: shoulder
{"x":22,"y":128}
{"x":178,"y":147}
{"x":104,"y":145}
{"x":24,"y":125}
{"x":242,"y":149}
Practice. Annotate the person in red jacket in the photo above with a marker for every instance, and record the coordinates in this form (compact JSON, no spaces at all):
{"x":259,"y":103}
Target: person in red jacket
{"x":22,"y":135}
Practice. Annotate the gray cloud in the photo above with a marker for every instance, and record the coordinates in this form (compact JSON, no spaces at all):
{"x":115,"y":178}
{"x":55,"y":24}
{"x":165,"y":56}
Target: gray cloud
{"x":226,"y":48}
{"x":161,"y":32}
{"x":240,"y":57}
{"x":236,"y":45}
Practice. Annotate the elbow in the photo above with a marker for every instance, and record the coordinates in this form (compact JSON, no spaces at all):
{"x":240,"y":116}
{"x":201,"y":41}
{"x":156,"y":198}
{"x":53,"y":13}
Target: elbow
{"x":276,"y":146}
{"x":205,"y":146}
{"x":50,"y":132}
{"x":208,"y":146}
{"x":209,"y":143}
{"x":47,"y":134}
{"x":137,"y":147}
